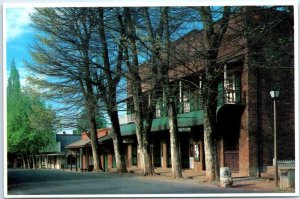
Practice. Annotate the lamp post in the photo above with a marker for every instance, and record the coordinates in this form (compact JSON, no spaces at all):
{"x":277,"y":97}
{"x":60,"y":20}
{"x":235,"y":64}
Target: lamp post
{"x":274,"y":94}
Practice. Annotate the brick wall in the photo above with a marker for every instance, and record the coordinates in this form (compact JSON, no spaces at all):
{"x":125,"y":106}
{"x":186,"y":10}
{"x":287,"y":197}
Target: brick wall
{"x":256,"y":133}
{"x":285,"y":115}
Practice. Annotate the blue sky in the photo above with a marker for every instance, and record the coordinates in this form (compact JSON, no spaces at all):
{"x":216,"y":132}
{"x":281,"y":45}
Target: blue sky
{"x":19,"y":35}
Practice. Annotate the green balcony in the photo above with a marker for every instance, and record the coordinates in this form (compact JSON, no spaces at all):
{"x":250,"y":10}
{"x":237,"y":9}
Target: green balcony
{"x":190,"y":112}
{"x":189,"y":119}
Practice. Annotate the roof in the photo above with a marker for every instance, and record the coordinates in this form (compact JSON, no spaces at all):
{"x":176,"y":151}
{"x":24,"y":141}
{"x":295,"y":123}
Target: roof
{"x":51,"y":154}
{"x":66,"y":139}
{"x":79,"y":143}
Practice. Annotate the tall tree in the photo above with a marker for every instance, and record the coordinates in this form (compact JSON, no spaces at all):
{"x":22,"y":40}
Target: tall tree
{"x":109,"y":77}
{"x":160,"y":60}
{"x":143,"y":110}
{"x":84,"y":62}
{"x":212,"y":42}
{"x":64,"y":53}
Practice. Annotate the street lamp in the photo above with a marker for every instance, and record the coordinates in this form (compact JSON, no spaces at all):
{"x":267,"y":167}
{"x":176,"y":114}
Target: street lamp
{"x":274,"y":94}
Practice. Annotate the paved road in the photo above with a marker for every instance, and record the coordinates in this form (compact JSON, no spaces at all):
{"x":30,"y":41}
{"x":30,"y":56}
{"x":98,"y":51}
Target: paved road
{"x":57,"y":182}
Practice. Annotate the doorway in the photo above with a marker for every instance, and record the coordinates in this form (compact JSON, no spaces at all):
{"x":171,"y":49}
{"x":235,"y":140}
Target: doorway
{"x":231,"y":146}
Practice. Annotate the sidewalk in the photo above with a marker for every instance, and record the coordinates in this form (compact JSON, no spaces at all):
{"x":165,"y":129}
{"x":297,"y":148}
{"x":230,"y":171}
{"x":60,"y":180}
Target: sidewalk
{"x":194,"y":178}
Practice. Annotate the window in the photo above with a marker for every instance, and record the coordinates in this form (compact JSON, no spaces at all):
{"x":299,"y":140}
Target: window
{"x":229,"y":86}
{"x":230,"y":94}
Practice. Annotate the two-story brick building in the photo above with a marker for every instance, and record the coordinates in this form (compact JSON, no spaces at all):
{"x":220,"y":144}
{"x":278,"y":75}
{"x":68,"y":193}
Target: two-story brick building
{"x":245,"y":111}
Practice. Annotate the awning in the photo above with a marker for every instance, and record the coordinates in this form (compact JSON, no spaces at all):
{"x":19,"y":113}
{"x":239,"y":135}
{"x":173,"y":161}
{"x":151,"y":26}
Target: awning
{"x":105,"y":138}
{"x":51,"y":154}
{"x":194,"y":118}
{"x":127,"y":129}
{"x":78,"y":144}
{"x":189,"y":119}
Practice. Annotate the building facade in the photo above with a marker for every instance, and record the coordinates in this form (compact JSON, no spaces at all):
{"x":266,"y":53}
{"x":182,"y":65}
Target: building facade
{"x":54,"y":158}
{"x":245,"y":135}
{"x":244,"y":131}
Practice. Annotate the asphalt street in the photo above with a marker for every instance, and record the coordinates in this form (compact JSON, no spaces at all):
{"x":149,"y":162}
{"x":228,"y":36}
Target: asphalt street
{"x":59,"y":182}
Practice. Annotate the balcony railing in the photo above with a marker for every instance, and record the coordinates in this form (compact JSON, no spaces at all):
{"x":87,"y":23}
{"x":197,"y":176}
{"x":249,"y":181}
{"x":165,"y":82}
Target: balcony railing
{"x":126,"y":119}
{"x":161,"y":111}
{"x":230,"y":92}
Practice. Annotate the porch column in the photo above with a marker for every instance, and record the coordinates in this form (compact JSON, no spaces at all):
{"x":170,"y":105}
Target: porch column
{"x":58,"y":162}
{"x":41,"y":161}
{"x":71,"y":160}
{"x":66,"y":158}
{"x":220,"y":145}
{"x":81,"y":159}
{"x":129,"y":156}
{"x":164,"y":154}
{"x":86,"y":158}
{"x":110,"y":161}
{"x":46,"y":161}
{"x":76,"y":162}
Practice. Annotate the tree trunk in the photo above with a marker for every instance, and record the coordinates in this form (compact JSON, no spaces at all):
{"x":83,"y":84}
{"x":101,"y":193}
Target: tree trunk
{"x":94,"y":143}
{"x":145,"y":156}
{"x":108,"y":91}
{"x":117,"y":142}
{"x":140,"y":113}
{"x":176,"y":165}
{"x":209,"y":100}
{"x":210,"y":144}
{"x":143,"y":145}
{"x":148,"y":169}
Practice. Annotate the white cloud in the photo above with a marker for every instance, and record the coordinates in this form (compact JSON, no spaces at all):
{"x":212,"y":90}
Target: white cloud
{"x":17,"y":22}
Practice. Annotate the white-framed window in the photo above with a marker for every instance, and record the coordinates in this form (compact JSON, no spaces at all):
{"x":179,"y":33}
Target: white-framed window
{"x":229,"y":86}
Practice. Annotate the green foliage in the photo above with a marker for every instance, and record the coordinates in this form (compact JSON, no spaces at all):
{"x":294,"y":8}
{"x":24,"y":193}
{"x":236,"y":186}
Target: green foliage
{"x":14,"y":86}
{"x":30,"y":124}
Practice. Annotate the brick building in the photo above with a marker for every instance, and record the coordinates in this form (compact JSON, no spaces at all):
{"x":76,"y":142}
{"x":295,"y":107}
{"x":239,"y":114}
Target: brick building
{"x":244,"y":113}
{"x":79,"y":153}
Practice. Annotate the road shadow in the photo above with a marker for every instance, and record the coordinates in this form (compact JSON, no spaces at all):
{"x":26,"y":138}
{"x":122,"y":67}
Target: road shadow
{"x":242,"y":185}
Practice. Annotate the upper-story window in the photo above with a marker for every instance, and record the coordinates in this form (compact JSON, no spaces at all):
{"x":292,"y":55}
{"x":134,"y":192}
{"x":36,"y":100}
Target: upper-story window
{"x":229,"y":89}
{"x":189,"y":94}
{"x":231,"y":86}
